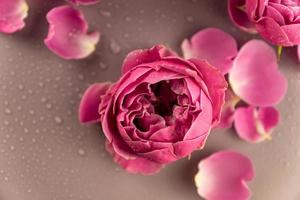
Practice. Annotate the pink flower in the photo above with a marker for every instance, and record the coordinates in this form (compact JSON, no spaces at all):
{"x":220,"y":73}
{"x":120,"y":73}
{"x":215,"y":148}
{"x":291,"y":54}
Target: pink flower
{"x":68,"y":35}
{"x":12,"y":15}
{"x":278,"y":21}
{"x":162,"y":108}
{"x":224,"y":176}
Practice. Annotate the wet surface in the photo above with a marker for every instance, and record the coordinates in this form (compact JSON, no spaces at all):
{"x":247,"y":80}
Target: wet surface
{"x":45,"y":154}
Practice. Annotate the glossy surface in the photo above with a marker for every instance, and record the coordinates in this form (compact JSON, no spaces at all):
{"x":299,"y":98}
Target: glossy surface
{"x":46,"y":154}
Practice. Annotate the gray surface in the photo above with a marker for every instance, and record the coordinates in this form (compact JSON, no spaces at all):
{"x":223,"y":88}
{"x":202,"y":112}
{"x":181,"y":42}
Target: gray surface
{"x":45,"y":154}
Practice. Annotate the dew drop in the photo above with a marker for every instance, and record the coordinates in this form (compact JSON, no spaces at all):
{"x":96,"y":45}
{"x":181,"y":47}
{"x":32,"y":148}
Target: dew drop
{"x":58,"y":120}
{"x":102,"y":66}
{"x":115,"y":47}
{"x":48,"y":106}
{"x":189,"y":19}
{"x":7,"y":111}
{"x":81,"y":152}
{"x":12,"y":148}
{"x":105,"y":13}
{"x":21,"y":87}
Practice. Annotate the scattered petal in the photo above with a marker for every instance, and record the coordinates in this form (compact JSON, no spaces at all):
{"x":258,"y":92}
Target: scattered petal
{"x":227,"y":116}
{"x":255,"y":76}
{"x":88,"y":108}
{"x":238,"y":15}
{"x":84,"y":2}
{"x":255,"y":125}
{"x":213,"y":45}
{"x":223,"y":176}
{"x":12,"y":15}
{"x":67,"y":36}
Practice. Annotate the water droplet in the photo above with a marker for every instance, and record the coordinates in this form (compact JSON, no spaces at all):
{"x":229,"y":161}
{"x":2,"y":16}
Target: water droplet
{"x":102,"y":66}
{"x":128,"y":19}
{"x":29,"y":190}
{"x":48,"y":106}
{"x":115,"y":47}
{"x":7,"y":111}
{"x":33,"y":140}
{"x":189,"y":19}
{"x":31,"y":112}
{"x":80,"y":77}
{"x":43,"y":99}
{"x":21,"y":87}
{"x":6,"y":178}
{"x":58,"y":120}
{"x":12,"y":148}
{"x":105,"y":13}
{"x":81,"y":152}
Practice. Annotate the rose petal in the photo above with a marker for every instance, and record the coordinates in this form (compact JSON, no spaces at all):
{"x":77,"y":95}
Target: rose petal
{"x":223,"y":176}
{"x":67,"y":36}
{"x":255,"y":125}
{"x":298,"y":52}
{"x":255,"y":77}
{"x":227,"y":116}
{"x":213,"y":45}
{"x":84,"y":2}
{"x":216,"y":85}
{"x":142,"y":56}
{"x":88,"y":108}
{"x":270,"y":30}
{"x":12,"y":15}
{"x":137,"y":165}
{"x":239,"y":16}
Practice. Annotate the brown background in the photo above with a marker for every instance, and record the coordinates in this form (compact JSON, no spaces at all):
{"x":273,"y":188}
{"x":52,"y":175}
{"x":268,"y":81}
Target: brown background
{"x":45,"y":154}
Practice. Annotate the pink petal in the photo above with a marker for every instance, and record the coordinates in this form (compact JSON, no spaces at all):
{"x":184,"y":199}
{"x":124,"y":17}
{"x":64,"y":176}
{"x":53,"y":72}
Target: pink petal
{"x":227,"y":116}
{"x":255,"y":125}
{"x":255,"y":77}
{"x":213,"y":45}
{"x":67,"y":36}
{"x":239,"y":16}
{"x":216,"y":85}
{"x":12,"y":15}
{"x":137,"y":165}
{"x":298,"y":52}
{"x":88,"y":108}
{"x":270,"y":30}
{"x":223,"y":176}
{"x":143,"y":56}
{"x":84,"y":2}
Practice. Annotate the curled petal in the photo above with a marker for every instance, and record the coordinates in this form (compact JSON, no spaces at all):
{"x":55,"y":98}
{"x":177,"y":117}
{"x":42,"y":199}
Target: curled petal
{"x":12,"y":15}
{"x":227,"y":116}
{"x":68,"y":36}
{"x":255,"y":77}
{"x":142,"y":56}
{"x":213,"y":45}
{"x":255,"y":125}
{"x":216,"y":85}
{"x":88,"y":108}
{"x":136,"y":165}
{"x":270,"y":30}
{"x":238,"y":15}
{"x":84,"y":2}
{"x":223,"y":176}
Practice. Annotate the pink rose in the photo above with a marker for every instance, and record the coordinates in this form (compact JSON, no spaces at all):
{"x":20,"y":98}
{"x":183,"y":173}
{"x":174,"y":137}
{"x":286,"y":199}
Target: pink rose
{"x":278,"y":21}
{"x":162,"y":108}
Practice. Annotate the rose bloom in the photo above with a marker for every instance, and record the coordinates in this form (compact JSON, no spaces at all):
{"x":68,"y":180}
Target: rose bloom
{"x":278,"y":21}
{"x":161,"y":109}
